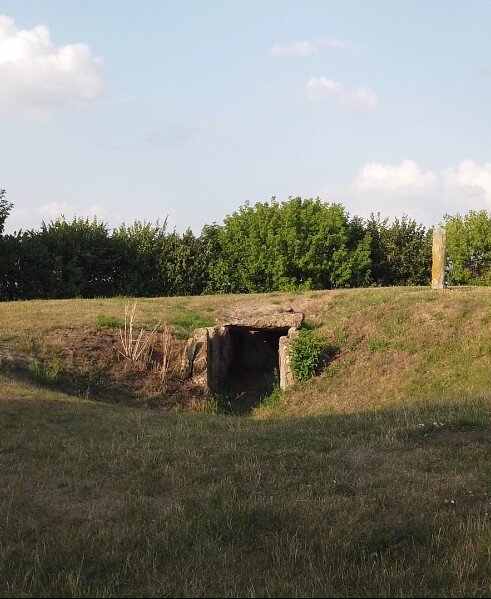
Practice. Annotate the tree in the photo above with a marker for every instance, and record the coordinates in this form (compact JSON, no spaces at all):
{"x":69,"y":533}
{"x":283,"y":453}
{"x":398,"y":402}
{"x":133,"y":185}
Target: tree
{"x":469,"y":248}
{"x":25,"y":267}
{"x":218,"y":276}
{"x":297,"y":244}
{"x":5,"y":208}
{"x":79,"y":258}
{"x":6,"y":247}
{"x":400,"y":251}
{"x":143,"y":253}
{"x":185,"y":265}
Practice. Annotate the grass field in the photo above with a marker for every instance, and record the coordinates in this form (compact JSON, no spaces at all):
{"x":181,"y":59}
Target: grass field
{"x":371,"y":480}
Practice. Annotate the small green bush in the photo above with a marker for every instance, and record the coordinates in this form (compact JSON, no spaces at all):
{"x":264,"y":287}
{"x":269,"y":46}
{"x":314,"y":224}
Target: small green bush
{"x":44,"y":373}
{"x":306,"y":355}
{"x":308,"y":325}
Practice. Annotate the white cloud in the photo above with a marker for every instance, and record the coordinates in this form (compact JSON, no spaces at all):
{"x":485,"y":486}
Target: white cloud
{"x":179,"y":134}
{"x":95,"y":211}
{"x":383,"y":176}
{"x":321,"y":88}
{"x":26,"y":217}
{"x":471,"y":178}
{"x":406,"y":188}
{"x":55,"y":210}
{"x":37,"y":78}
{"x":307,"y":48}
{"x":59,"y":210}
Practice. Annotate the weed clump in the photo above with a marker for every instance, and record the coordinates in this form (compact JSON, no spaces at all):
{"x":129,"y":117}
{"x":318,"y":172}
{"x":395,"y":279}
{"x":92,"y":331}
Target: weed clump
{"x":110,"y":322}
{"x":306,"y":354}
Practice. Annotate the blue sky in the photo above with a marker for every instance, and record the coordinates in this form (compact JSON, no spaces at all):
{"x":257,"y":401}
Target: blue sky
{"x":186,"y":109}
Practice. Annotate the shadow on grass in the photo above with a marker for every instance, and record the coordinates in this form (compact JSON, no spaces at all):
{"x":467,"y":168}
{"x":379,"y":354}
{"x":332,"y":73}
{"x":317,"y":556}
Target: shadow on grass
{"x":244,"y":390}
{"x":92,"y":385}
{"x":289,"y":497}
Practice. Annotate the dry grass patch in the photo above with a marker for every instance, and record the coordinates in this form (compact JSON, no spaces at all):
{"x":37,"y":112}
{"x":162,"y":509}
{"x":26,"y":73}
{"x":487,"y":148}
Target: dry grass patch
{"x":399,"y":345}
{"x":392,"y":345}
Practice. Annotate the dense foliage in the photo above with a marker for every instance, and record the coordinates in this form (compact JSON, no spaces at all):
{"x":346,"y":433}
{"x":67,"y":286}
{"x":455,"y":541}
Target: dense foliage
{"x":306,"y":354}
{"x":5,"y":208}
{"x":296,"y":244}
{"x":469,"y":248}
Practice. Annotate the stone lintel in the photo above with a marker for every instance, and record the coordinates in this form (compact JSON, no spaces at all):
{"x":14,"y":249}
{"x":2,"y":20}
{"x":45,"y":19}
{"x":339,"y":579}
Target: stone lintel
{"x":265,"y":317}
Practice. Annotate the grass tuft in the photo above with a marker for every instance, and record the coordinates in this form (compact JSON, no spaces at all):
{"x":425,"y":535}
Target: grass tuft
{"x":111,"y":322}
{"x":44,"y":373}
{"x":188,"y":320}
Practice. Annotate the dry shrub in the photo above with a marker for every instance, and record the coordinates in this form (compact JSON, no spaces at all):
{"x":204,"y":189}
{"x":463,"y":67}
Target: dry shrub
{"x":147,"y":349}
{"x":163,"y":366}
{"x":137,"y":348}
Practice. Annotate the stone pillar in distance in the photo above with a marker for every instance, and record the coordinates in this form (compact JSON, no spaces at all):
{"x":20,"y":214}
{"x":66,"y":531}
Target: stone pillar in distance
{"x":439,"y":253}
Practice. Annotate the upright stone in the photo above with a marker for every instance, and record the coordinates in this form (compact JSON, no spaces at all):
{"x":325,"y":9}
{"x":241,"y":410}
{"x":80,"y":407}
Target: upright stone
{"x":287,"y":378}
{"x":218,"y":356}
{"x":194,"y":363}
{"x":438,"y":265}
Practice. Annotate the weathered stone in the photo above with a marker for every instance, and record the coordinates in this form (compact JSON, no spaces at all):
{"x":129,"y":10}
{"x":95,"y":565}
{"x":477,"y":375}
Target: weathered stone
{"x":218,"y":356}
{"x":439,"y":255}
{"x":262,"y":310}
{"x":210,"y":353}
{"x":195,"y":358}
{"x":264,"y":317}
{"x":287,"y":378}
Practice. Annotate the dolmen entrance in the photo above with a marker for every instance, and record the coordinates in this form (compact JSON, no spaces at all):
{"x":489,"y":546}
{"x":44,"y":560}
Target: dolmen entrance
{"x":243,"y":349}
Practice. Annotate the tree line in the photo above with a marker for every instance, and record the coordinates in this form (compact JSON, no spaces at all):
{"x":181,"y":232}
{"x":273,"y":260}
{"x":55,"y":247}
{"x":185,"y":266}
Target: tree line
{"x":270,"y":246}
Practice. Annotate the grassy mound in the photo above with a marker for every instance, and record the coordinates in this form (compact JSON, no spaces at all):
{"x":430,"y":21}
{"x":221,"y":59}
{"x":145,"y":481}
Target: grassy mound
{"x":373,"y":479}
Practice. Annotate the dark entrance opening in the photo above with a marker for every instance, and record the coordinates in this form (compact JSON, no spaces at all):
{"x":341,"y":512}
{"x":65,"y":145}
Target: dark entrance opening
{"x":253,"y":365}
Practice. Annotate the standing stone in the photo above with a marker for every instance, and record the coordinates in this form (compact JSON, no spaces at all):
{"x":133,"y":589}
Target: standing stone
{"x":287,"y":378}
{"x":218,"y":356}
{"x":438,"y":265}
{"x":195,"y":358}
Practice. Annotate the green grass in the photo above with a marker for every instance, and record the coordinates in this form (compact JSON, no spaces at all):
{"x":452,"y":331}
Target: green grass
{"x":371,"y":480}
{"x":101,"y":500}
{"x":377,"y":345}
{"x":187,"y":320}
{"x":112,"y":322}
{"x":44,"y":373}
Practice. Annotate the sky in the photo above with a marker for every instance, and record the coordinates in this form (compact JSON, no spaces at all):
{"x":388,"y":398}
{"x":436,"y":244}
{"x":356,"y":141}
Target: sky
{"x":185,"y":110}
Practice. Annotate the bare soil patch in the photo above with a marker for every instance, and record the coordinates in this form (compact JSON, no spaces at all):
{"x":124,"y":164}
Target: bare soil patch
{"x":92,"y":366}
